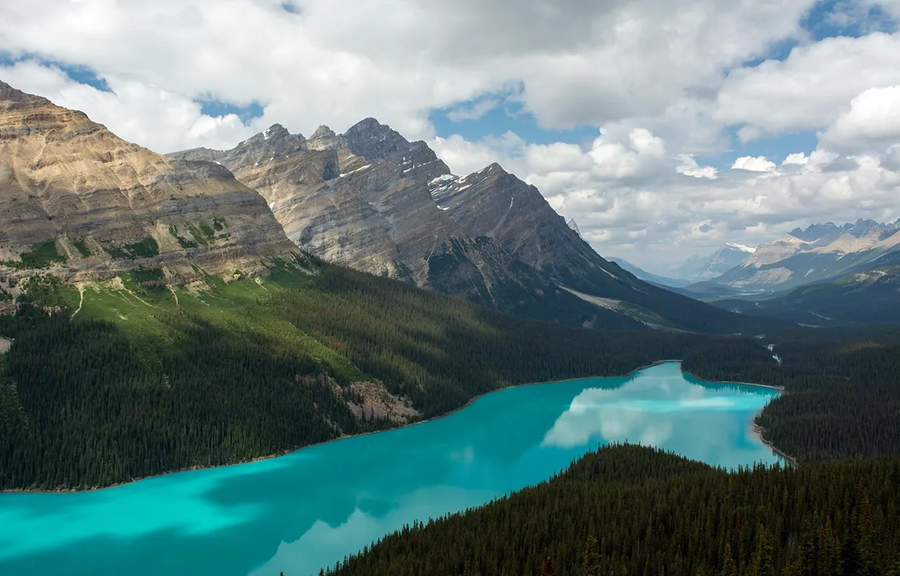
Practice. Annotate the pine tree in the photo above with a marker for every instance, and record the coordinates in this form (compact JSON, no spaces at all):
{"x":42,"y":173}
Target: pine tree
{"x":729,"y":567}
{"x":548,"y":568}
{"x":590,"y":559}
{"x":763,"y":561}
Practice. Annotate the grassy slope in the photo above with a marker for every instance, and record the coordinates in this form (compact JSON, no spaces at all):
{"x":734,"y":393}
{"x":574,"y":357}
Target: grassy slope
{"x":140,"y":311}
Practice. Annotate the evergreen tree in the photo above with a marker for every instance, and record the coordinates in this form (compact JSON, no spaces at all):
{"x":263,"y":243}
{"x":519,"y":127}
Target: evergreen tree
{"x":729,"y":567}
{"x":763,"y":562}
{"x":590,"y":559}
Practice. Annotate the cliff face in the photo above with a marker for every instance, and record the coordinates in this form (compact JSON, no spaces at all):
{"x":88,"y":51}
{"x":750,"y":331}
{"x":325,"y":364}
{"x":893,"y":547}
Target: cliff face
{"x":372,"y":200}
{"x":81,"y":202}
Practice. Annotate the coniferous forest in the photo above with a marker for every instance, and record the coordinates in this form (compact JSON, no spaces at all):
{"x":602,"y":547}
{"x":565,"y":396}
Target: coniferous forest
{"x":629,"y":510}
{"x":84,"y":402}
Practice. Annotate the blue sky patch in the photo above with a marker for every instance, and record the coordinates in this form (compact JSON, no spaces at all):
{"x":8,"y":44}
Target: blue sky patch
{"x":219,"y":108}
{"x":846,"y":18}
{"x":508,"y":115}
{"x":80,"y":74}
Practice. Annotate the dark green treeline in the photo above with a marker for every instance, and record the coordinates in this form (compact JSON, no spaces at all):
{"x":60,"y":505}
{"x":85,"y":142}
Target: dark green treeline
{"x":628,"y":511}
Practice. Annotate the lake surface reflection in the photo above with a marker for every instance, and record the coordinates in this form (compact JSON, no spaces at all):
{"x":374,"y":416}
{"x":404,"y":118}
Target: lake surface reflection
{"x":309,"y":509}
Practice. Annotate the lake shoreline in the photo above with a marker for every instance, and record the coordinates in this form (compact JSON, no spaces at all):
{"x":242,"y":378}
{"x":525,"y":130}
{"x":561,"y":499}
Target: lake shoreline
{"x":759,"y":431}
{"x":407,"y":425}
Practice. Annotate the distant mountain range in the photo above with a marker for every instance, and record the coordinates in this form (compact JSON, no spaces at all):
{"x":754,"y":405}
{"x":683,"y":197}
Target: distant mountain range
{"x":702,"y":268}
{"x":649,"y":276}
{"x":826,"y":274}
{"x":820,"y":252}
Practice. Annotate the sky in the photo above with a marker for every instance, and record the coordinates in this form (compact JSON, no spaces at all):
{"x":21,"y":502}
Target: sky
{"x":665,"y":128}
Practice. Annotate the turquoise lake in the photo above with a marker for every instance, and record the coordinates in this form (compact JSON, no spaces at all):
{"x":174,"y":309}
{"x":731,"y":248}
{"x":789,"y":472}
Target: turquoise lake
{"x":309,"y":509}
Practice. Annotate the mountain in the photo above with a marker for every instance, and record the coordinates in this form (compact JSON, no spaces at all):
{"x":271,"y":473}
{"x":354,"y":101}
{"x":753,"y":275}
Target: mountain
{"x":819,"y":253}
{"x":78,"y":201}
{"x":649,"y":276}
{"x":870,"y":294}
{"x":372,"y":200}
{"x":701,"y":268}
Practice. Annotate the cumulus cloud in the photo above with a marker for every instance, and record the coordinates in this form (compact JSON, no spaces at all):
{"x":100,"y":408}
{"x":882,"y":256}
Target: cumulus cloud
{"x":690,"y":167}
{"x":871,"y":124}
{"x":337,"y":61}
{"x":167,"y":121}
{"x":751,"y":164}
{"x":811,"y":88}
{"x":795,"y":159}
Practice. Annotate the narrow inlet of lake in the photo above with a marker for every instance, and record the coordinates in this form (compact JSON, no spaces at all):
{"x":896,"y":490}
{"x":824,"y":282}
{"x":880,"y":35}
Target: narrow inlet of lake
{"x":301,"y":512}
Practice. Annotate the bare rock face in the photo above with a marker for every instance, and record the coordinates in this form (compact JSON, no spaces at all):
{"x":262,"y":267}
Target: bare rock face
{"x":79,"y":201}
{"x":374,"y":201}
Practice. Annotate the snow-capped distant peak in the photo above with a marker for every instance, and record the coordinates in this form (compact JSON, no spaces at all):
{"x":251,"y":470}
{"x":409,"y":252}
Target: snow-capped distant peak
{"x":741,"y":247}
{"x":573,"y":225}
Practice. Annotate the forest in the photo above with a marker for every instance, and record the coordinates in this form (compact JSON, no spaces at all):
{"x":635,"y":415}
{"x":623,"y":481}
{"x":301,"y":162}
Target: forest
{"x":248,"y":370}
{"x":628,"y":510}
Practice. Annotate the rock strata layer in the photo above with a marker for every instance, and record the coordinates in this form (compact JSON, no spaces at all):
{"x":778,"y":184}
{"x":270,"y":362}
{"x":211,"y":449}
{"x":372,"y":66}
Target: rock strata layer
{"x":80,"y":202}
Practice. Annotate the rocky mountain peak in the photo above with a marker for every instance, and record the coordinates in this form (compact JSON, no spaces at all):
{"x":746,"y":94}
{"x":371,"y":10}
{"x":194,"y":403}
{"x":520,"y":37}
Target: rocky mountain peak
{"x":324,"y":138}
{"x":375,"y":141}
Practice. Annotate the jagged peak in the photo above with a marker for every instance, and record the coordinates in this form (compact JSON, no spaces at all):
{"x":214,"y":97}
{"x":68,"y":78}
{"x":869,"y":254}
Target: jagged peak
{"x":322,"y":131}
{"x":368,"y":124}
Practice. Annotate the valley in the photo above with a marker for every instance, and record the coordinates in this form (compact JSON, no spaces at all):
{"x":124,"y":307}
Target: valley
{"x":229,"y":314}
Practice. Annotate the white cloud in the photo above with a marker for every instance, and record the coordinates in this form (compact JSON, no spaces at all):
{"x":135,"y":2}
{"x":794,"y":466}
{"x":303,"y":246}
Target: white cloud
{"x":337,"y":61}
{"x":811,"y":88}
{"x":871,"y":124}
{"x":166,"y":122}
{"x":689,"y":167}
{"x":749,"y":163}
{"x":796,"y":159}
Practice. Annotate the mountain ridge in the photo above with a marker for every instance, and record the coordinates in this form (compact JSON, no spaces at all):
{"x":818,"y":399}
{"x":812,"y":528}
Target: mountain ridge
{"x":80,"y":202}
{"x":376,"y":202}
{"x":819,"y":253}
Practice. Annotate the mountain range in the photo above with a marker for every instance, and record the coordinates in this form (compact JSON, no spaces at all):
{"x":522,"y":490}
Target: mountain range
{"x":371,"y":200}
{"x":820,"y":252}
{"x":822,"y":275}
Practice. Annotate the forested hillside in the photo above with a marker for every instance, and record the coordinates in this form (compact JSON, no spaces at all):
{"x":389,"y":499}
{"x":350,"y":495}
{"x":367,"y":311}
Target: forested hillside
{"x":627,"y":510}
{"x":146,"y":378}
{"x":108,"y":382}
